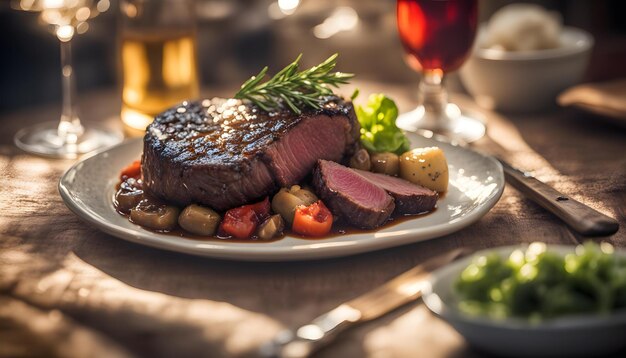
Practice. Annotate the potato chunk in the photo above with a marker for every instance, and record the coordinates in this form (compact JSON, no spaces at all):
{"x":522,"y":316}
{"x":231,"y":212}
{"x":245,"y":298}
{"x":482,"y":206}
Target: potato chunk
{"x":426,"y":167}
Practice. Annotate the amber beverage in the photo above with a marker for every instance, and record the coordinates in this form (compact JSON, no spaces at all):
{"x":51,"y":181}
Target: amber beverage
{"x":159,"y":71}
{"x":437,"y":33}
{"x":158,"y":58}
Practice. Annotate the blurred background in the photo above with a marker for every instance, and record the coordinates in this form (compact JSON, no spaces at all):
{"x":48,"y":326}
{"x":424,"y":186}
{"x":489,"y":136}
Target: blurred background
{"x":238,"y":37}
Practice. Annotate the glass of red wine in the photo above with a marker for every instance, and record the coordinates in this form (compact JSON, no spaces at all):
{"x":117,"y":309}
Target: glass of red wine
{"x":437,"y":36}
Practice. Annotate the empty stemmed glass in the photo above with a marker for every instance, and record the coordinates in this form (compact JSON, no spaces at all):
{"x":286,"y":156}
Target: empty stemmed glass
{"x":437,"y":36}
{"x":66,"y":138}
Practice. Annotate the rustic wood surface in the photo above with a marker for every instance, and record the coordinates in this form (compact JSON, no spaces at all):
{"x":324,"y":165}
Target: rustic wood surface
{"x":69,"y":290}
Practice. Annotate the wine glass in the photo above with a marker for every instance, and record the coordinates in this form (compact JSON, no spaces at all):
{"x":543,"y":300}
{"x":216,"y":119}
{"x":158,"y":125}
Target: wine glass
{"x":66,"y":138}
{"x":437,"y":36}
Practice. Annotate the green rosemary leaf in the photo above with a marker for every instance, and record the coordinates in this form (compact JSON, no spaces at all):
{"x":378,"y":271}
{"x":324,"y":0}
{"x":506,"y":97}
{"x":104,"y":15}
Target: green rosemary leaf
{"x":293,"y":88}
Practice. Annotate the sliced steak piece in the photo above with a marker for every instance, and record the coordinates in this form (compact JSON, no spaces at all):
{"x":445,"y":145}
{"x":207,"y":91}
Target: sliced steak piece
{"x":351,"y":196}
{"x":366,"y":200}
{"x":225,"y":153}
{"x":410,"y":199}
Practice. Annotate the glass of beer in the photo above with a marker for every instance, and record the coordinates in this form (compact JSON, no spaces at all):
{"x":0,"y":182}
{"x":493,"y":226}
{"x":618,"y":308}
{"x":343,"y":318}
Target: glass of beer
{"x":158,"y":52}
{"x":437,"y":36}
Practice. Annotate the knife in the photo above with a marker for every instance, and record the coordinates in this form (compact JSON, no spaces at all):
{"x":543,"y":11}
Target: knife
{"x":580,"y":217}
{"x":403,"y":289}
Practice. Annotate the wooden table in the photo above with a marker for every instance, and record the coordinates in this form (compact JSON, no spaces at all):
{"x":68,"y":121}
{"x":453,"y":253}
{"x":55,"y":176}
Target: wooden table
{"x":69,"y":290}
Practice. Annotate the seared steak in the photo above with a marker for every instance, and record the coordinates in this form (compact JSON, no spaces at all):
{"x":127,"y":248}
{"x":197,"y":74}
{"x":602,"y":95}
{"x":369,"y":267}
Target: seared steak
{"x":366,"y":200}
{"x":409,"y":198}
{"x":225,"y":153}
{"x":352,"y":197}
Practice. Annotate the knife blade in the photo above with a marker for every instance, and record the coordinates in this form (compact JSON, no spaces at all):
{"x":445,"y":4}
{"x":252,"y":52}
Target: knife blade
{"x":580,"y":217}
{"x":401,"y":290}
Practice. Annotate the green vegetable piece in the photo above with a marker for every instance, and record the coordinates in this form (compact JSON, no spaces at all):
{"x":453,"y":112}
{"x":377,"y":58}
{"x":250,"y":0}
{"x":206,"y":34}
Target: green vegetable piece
{"x":379,"y":132}
{"x":539,"y":284}
{"x":355,"y":94}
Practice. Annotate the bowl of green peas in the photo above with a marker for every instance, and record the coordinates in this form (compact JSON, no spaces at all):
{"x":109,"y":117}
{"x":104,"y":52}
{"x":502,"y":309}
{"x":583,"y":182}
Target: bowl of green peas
{"x":536,"y":300}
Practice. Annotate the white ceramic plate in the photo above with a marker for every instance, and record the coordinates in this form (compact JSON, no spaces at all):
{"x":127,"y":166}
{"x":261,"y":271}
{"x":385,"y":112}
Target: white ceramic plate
{"x":569,"y":336}
{"x":476,"y":184}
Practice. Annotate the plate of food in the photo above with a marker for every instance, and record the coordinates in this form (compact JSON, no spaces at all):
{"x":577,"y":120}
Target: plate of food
{"x":301,"y":175}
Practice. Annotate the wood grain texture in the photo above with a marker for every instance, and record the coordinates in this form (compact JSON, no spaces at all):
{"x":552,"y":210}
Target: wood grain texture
{"x":583,"y":219}
{"x":155,"y":303}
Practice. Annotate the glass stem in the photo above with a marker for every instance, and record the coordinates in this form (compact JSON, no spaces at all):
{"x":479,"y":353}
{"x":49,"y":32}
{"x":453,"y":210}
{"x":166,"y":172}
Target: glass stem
{"x":70,"y":128}
{"x":432,"y":93}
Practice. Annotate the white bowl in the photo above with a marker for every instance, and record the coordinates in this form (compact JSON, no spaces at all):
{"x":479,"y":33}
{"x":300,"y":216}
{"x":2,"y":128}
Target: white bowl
{"x":526,"y":81}
{"x":569,"y":336}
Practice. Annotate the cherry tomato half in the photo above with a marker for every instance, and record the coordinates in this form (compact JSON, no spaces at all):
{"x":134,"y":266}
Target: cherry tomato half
{"x":242,"y":222}
{"x":131,"y":171}
{"x":313,"y":220}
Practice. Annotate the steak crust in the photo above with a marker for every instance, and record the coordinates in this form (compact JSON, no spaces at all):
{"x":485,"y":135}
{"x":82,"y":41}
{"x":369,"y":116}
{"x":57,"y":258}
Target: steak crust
{"x":225,"y":153}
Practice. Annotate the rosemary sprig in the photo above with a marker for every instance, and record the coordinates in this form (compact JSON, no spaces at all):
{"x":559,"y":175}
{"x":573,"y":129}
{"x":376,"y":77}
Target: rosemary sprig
{"x":292,"y":87}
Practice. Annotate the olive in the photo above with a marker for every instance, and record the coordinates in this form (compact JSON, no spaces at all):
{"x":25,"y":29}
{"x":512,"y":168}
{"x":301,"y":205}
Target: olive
{"x":306,"y":195}
{"x":361,"y":160}
{"x":154,"y":215}
{"x":385,"y":163}
{"x":199,"y":220}
{"x":271,"y":227}
{"x":286,"y":201}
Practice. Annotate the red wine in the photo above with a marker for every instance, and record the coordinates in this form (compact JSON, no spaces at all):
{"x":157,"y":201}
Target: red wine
{"x":437,"y":33}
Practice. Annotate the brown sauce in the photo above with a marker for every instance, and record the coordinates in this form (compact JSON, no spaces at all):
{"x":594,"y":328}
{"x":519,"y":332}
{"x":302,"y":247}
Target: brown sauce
{"x":340,"y":228}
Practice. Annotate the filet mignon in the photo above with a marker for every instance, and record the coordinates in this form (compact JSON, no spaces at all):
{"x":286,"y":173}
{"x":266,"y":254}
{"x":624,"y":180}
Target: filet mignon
{"x":366,"y":200}
{"x":225,"y":153}
{"x":352,"y":197}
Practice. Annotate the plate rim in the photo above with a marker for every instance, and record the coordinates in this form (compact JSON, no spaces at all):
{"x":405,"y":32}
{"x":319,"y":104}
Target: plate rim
{"x":321,"y":249}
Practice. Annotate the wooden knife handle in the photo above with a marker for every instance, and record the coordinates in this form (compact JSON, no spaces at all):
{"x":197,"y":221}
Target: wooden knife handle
{"x":580,"y":217}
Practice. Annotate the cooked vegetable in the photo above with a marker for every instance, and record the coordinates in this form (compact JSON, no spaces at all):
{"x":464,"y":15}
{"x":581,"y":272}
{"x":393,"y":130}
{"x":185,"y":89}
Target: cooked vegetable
{"x":262,"y":208}
{"x":426,"y":167}
{"x":128,"y":195}
{"x":539,"y":284}
{"x":239,"y":223}
{"x":379,"y":132}
{"x":386,"y":163}
{"x":131,"y":171}
{"x":313,"y":220}
{"x":272,"y":227}
{"x":305,"y":194}
{"x":154,"y":215}
{"x":126,"y":200}
{"x":199,"y":220}
{"x":286,"y":201}
{"x":242,"y":222}
{"x":361,"y":160}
